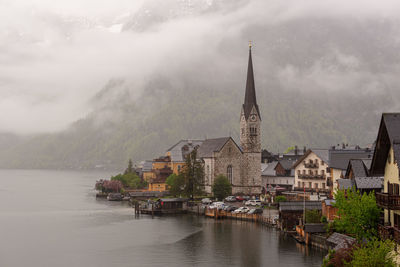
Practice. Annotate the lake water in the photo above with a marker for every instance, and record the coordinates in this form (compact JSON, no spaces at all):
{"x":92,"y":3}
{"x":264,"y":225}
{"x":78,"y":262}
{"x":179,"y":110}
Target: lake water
{"x":52,"y":218}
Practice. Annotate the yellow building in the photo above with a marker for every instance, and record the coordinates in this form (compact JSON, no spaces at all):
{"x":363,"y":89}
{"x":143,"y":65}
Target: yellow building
{"x":385,"y":162}
{"x":159,"y":182}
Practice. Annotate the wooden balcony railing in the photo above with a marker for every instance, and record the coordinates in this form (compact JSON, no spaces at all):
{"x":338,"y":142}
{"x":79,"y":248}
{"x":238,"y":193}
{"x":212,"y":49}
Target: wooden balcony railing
{"x":311,"y":176}
{"x":389,"y":232}
{"x":311,"y":165}
{"x":386,"y":201}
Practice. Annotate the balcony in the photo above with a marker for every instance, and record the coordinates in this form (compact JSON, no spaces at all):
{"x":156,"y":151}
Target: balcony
{"x":386,"y":201}
{"x":307,"y":189}
{"x":311,"y":176}
{"x":389,"y":232}
{"x":311,"y":165}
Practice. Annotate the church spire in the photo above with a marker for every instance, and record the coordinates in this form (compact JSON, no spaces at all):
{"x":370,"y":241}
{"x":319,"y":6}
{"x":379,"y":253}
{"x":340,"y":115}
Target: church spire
{"x":250,"y":99}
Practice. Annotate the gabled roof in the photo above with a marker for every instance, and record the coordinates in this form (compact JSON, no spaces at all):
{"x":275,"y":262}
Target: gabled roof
{"x":388,"y":135}
{"x":209,"y":146}
{"x":340,"y":240}
{"x":323,"y":154}
{"x":369,"y":182}
{"x":287,"y":164}
{"x":358,"y":166}
{"x":269,"y":170}
{"x":177,"y":152}
{"x":339,"y":159}
{"x":250,"y":99}
{"x":345,"y":184}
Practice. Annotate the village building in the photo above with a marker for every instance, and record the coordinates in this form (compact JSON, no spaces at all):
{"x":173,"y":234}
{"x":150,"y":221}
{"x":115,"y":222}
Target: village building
{"x":385,"y":162}
{"x":357,"y":176}
{"x":277,"y":174}
{"x":339,"y":157}
{"x":241,"y":165}
{"x":311,"y":172}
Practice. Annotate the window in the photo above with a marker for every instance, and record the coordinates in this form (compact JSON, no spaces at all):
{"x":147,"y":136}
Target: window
{"x":316,"y":172}
{"x":229,"y":173}
{"x":298,"y":184}
{"x":304,"y":184}
{"x":304,"y":171}
{"x":298,"y":172}
{"x":323,"y":185}
{"x":322,"y":172}
{"x":316,"y":161}
{"x":310,"y":172}
{"x":311,"y":162}
{"x":316,"y":185}
{"x":310,"y":184}
{"x":322,"y":162}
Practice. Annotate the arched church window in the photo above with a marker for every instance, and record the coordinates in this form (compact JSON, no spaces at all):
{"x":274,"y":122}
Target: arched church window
{"x":229,"y":173}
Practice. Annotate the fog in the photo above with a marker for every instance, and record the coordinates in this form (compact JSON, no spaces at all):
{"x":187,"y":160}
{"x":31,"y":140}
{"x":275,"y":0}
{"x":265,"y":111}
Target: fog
{"x":56,"y":55}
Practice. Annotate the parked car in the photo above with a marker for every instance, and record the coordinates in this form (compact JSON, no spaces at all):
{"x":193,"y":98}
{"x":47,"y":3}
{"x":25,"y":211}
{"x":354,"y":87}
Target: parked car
{"x":246,"y":198}
{"x":206,"y":201}
{"x":231,"y":208}
{"x":248,"y":203}
{"x":239,"y":198}
{"x":255,"y":202}
{"x":241,"y":210}
{"x":217,"y":205}
{"x":255,"y":211}
{"x":230,"y":199}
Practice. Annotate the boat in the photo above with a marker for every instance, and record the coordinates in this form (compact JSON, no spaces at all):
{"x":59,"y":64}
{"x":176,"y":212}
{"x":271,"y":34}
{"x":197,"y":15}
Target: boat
{"x":115,"y":197}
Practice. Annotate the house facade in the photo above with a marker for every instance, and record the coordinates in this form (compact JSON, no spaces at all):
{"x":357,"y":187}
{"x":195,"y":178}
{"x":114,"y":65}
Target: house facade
{"x":311,"y":172}
{"x":385,"y":162}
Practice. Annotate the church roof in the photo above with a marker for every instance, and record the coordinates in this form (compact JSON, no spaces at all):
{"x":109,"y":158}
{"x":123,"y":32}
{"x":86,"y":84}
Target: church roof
{"x":212,"y":145}
{"x":250,"y":99}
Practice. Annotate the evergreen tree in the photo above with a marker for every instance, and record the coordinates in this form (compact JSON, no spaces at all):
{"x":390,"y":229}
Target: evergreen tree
{"x":193,"y":175}
{"x":130,"y":167}
{"x":221,"y":187}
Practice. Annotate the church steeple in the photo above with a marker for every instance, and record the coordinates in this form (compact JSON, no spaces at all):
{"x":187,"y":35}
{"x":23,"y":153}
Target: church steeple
{"x":250,"y":99}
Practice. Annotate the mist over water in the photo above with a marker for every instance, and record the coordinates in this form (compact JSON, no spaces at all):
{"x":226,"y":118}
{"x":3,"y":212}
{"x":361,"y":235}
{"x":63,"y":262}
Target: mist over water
{"x":51,"y":218}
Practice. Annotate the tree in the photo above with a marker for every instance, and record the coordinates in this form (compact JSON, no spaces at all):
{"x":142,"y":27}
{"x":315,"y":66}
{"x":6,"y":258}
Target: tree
{"x":130,"y":180}
{"x":130,"y":167}
{"x":111,"y":186}
{"x":358,"y":214}
{"x":313,"y":216}
{"x":221,"y":187}
{"x":193,"y":175}
{"x":374,"y":253}
{"x":280,"y":199}
{"x":176,"y":184}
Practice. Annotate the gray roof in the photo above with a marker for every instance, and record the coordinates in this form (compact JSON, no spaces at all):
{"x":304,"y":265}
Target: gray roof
{"x":322,"y":154}
{"x":392,"y":122}
{"x":339,"y":159}
{"x":212,"y":145}
{"x":369,"y":182}
{"x":340,"y":240}
{"x":367,"y":163}
{"x":270,"y":169}
{"x":345,"y":183}
{"x":287,"y":164}
{"x":177,"y":153}
{"x":299,"y":205}
{"x":147,"y":166}
{"x":359,"y":168}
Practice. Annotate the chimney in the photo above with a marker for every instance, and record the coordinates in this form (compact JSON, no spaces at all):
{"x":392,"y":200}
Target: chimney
{"x":343,"y":146}
{"x":295,"y":150}
{"x":304,"y":149}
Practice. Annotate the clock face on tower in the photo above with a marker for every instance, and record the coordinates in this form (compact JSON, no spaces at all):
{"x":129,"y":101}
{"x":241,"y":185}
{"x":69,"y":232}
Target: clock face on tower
{"x":253,"y":117}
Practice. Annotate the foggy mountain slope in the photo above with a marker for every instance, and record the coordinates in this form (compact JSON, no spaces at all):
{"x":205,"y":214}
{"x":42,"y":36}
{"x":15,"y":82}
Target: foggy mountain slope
{"x":319,"y":81}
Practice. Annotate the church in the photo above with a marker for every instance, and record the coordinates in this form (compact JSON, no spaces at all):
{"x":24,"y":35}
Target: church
{"x":241,"y":164}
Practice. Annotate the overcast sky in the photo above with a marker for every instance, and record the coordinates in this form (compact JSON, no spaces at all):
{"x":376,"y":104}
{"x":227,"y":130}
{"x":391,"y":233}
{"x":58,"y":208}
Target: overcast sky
{"x":55,"y":55}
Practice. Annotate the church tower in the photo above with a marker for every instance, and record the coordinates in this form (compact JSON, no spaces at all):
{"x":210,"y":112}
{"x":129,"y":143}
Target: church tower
{"x":250,"y":135}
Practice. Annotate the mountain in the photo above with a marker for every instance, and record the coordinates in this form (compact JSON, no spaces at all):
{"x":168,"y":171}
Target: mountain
{"x":319,"y":80}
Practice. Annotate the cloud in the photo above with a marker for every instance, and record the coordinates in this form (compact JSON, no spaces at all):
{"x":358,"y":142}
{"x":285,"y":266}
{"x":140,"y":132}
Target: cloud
{"x":56,"y":55}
